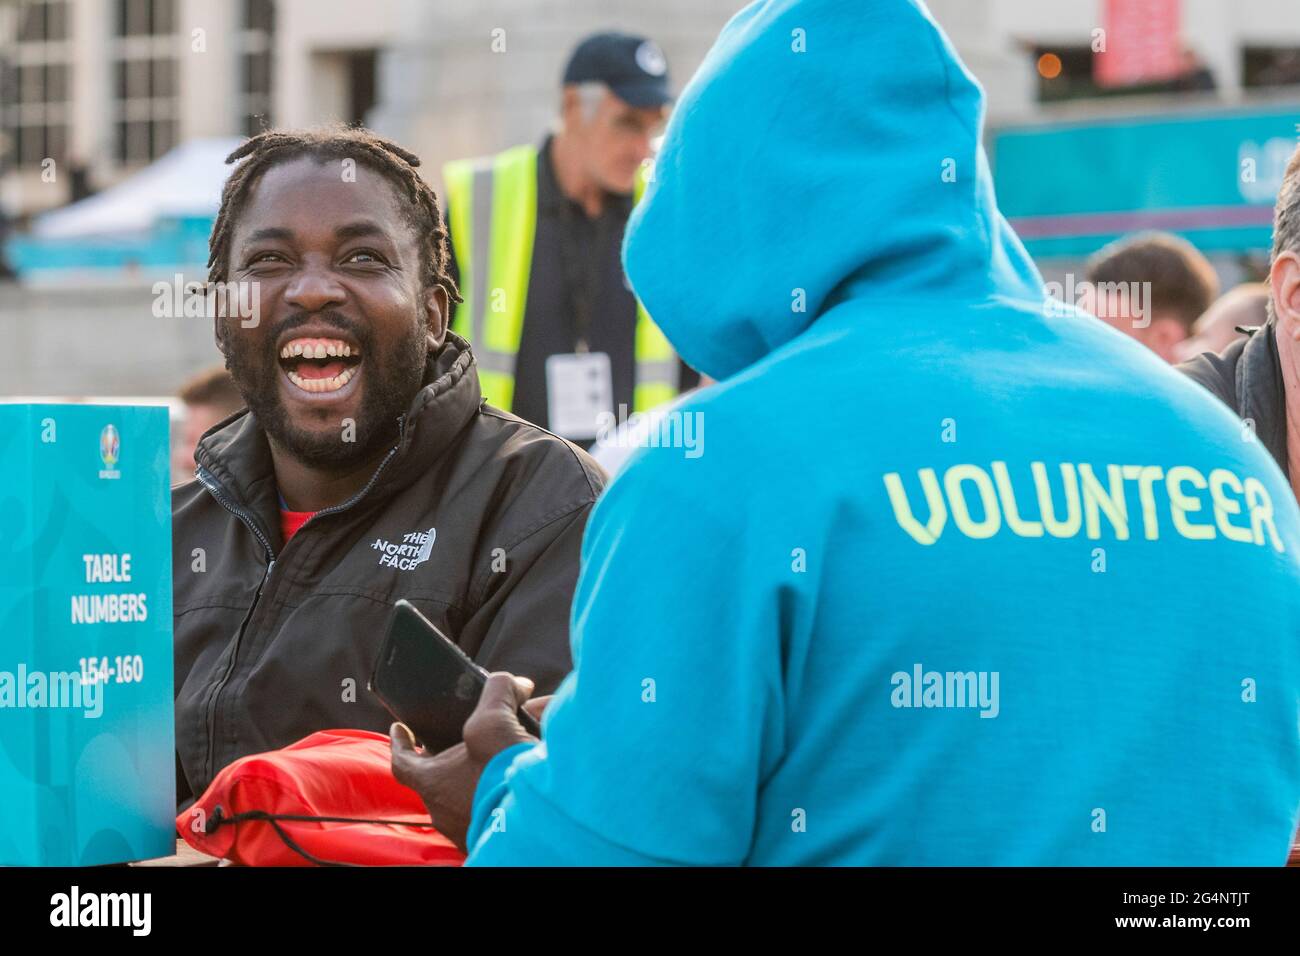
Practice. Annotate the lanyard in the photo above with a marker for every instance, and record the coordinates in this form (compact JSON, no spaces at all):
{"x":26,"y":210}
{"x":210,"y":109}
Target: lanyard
{"x":581,"y":242}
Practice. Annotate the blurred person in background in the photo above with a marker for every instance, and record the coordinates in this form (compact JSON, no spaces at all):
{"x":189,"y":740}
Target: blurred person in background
{"x":1182,"y":284}
{"x":1196,"y":76}
{"x":536,"y":234}
{"x":1258,"y":377}
{"x":1244,"y":306}
{"x":209,"y":397}
{"x":752,"y":627}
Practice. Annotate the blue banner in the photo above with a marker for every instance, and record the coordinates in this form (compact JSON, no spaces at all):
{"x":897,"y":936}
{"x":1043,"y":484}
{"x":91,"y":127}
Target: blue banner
{"x":1068,"y":189}
{"x":87,"y":771}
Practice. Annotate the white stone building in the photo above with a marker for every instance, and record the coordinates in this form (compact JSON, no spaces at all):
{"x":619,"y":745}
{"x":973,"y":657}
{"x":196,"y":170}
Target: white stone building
{"x":102,"y":87}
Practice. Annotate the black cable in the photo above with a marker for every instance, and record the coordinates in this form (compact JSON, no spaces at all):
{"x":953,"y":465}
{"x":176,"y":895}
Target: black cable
{"x":219,"y":819}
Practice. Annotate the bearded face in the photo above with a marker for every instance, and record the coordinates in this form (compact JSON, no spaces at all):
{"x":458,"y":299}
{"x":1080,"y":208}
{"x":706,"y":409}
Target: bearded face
{"x":338,"y":348}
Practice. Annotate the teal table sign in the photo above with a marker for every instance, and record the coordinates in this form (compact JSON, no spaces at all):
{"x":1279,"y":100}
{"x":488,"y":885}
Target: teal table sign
{"x":87,"y":767}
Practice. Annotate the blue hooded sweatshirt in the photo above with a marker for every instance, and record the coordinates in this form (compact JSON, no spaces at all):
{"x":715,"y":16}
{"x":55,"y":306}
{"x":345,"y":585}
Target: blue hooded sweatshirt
{"x":954,"y":574}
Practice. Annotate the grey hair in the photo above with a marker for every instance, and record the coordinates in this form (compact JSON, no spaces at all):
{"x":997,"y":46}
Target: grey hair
{"x":1286,"y":214}
{"x":590,"y":95}
{"x":1286,"y":218}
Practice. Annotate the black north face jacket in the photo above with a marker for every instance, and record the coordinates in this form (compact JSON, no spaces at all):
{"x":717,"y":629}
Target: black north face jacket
{"x":475,"y":516}
{"x":1247,"y":377}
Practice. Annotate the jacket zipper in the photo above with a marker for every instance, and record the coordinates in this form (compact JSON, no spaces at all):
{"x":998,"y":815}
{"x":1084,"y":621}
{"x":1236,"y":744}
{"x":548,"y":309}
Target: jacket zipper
{"x":210,"y":483}
{"x":359,"y":495}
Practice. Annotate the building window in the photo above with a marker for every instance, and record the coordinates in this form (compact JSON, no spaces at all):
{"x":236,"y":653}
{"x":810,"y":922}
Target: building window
{"x":257,"y":42}
{"x":1270,"y":66}
{"x":1064,"y":73}
{"x":362,"y":85}
{"x":1067,"y":73}
{"x":35,"y":84}
{"x":143,"y":18}
{"x":144,"y":80}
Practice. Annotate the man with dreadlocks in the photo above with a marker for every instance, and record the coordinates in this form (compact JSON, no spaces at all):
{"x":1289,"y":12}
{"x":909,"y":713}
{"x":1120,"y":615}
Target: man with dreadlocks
{"x":366,"y":467}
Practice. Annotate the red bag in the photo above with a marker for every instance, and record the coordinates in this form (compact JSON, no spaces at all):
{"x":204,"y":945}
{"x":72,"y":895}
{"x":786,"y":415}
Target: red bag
{"x":247,"y":814}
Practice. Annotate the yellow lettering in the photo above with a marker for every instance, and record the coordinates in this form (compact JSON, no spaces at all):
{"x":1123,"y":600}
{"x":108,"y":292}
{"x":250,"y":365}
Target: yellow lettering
{"x":992,"y":521}
{"x":1146,"y":476}
{"x":929,"y":532}
{"x":1070,"y":526}
{"x":1097,"y":501}
{"x":1225,"y":506}
{"x":1182,"y":504}
{"x":1260,"y":506}
{"x":1018,"y":525}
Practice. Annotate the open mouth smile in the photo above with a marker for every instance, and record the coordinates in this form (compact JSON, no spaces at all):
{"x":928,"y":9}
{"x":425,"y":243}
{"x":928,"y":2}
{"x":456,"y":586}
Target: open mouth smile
{"x":320,"y":365}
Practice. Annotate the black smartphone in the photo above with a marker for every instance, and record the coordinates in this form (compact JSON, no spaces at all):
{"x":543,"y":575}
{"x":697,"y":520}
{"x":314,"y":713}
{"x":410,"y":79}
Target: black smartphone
{"x":427,"y":682}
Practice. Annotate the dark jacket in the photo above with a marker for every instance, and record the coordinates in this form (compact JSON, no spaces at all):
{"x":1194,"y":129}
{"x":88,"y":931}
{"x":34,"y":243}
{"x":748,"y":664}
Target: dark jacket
{"x":1247,"y":377}
{"x":275,"y":641}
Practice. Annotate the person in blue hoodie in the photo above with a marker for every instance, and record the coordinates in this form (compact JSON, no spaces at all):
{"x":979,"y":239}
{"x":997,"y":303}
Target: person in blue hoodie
{"x":944,"y":583}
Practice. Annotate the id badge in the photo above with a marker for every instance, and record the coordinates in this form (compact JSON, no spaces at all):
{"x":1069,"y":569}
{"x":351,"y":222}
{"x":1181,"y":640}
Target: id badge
{"x":579,"y":387}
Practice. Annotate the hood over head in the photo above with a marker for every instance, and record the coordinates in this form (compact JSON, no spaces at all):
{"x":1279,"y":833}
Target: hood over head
{"x":825,"y":150}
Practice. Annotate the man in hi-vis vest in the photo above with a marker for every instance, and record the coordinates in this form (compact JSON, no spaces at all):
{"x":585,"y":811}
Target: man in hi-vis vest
{"x":536,"y":235}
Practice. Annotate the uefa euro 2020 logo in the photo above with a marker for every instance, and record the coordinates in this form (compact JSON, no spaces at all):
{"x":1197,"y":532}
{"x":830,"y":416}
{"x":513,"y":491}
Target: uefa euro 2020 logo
{"x":109,"y":446}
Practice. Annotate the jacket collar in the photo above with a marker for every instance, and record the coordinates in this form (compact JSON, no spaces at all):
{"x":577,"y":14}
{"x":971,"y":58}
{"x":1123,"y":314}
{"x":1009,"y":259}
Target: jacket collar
{"x":234,"y":457}
{"x":1261,"y":393}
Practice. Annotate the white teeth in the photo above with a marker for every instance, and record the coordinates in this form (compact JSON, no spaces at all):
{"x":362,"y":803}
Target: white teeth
{"x":322,"y":384}
{"x":318,"y":349}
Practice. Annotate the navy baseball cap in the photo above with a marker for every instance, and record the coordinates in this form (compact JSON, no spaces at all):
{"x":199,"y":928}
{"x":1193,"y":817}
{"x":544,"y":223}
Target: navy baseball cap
{"x":633,"y":67}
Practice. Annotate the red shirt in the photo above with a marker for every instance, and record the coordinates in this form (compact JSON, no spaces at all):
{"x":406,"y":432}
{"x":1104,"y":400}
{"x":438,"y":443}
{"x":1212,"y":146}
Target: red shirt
{"x":291,"y":521}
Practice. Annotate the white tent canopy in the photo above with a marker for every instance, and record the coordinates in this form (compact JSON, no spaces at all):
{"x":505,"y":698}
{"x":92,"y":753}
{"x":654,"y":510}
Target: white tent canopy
{"x":186,"y":181}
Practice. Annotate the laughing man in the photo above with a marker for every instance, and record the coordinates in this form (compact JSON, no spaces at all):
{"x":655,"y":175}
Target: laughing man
{"x":366,"y":467}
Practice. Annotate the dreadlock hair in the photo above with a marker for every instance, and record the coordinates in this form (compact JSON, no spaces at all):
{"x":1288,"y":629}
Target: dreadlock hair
{"x":397,"y":165}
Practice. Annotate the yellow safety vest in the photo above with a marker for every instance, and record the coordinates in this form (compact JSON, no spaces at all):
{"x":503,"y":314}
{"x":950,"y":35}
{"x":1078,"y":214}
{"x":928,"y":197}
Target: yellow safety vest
{"x":493,"y":206}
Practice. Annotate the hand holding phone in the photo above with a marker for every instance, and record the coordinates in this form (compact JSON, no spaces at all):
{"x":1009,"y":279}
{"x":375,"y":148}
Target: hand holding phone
{"x":427,"y":682}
